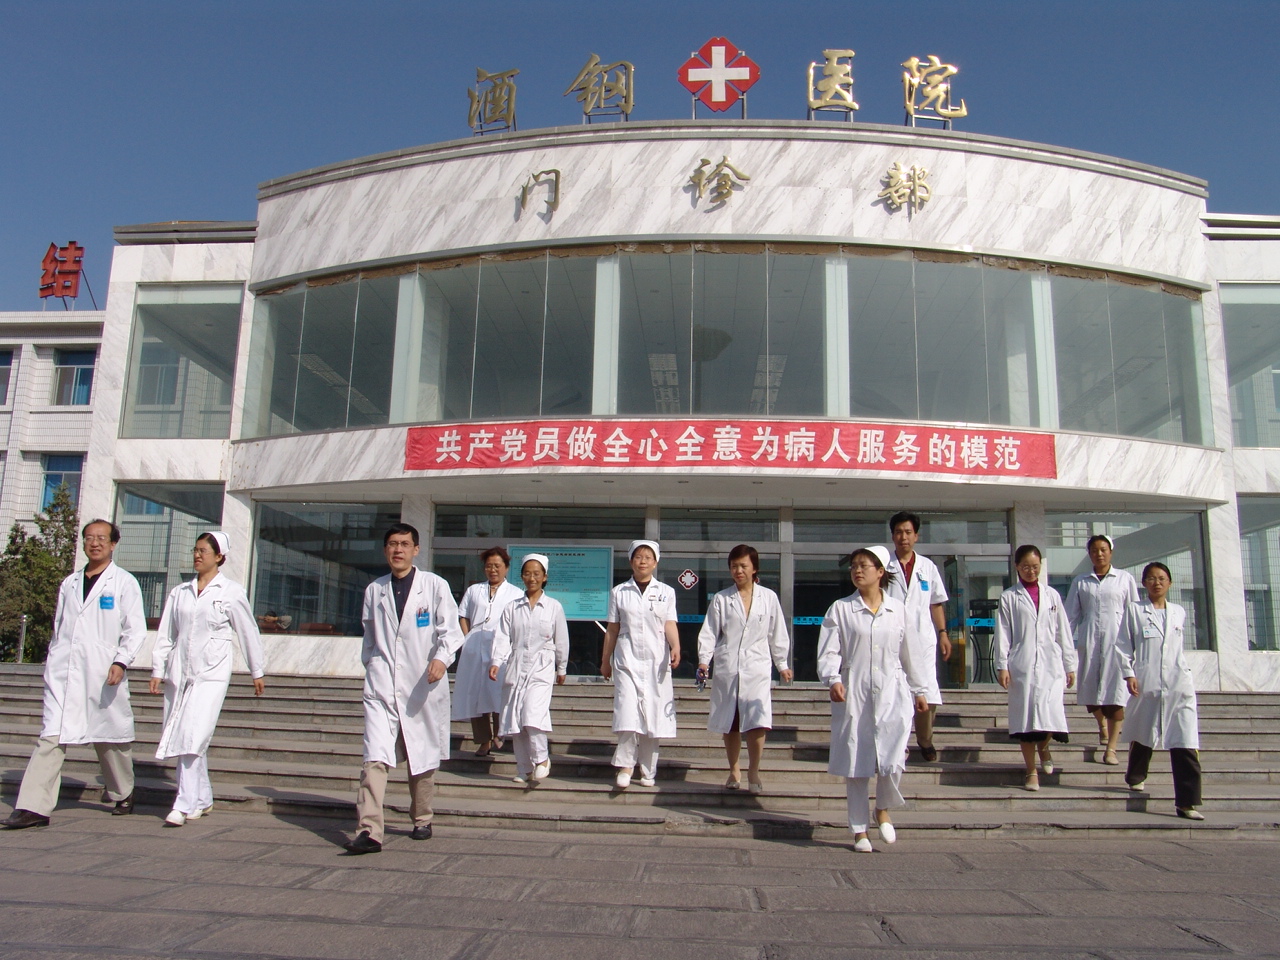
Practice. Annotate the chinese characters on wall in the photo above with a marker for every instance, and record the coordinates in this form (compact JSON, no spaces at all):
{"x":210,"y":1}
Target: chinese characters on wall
{"x":801,"y":445}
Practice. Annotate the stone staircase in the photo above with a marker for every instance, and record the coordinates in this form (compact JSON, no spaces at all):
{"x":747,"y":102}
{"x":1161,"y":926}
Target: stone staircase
{"x":298,"y":750}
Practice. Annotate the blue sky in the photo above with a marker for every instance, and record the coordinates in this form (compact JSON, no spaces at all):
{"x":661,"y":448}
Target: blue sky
{"x":130,"y":112}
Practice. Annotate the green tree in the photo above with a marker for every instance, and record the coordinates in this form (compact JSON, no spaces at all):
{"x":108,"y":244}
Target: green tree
{"x":31,"y":570}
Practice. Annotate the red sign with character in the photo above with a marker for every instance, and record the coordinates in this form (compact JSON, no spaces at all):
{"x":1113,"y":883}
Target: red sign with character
{"x":808,"y":444}
{"x":718,"y":74}
{"x":60,"y":270}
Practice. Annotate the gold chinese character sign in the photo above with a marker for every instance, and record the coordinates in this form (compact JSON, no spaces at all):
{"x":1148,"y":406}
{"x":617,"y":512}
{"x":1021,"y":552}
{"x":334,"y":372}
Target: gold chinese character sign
{"x":605,"y":88}
{"x":834,"y":91}
{"x":493,"y":107}
{"x":905,"y":188}
{"x":549,"y":178}
{"x":720,"y":181}
{"x":926,"y":90}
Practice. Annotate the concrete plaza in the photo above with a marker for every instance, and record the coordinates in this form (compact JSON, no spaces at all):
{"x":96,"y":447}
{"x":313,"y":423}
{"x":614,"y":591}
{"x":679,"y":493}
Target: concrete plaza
{"x":243,"y":884}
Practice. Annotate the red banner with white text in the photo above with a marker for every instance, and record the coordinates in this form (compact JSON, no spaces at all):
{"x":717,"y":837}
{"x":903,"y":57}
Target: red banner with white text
{"x":817,"y":445}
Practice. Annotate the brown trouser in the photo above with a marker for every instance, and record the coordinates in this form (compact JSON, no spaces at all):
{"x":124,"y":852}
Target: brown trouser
{"x":373,"y":788}
{"x":484,"y":728}
{"x":39,"y":790}
{"x":924,"y":726}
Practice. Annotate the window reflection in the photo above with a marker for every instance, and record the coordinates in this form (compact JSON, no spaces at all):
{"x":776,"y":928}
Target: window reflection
{"x":1251,"y":325}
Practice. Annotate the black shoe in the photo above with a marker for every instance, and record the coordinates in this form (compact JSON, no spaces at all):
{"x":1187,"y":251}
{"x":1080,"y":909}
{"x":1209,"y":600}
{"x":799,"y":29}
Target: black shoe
{"x":20,"y":819}
{"x":422,"y":833}
{"x":123,"y":807}
{"x":363,"y":844}
{"x":929,"y":754}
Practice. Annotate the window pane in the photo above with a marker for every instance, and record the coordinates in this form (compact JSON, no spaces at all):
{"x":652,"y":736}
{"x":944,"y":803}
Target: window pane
{"x":6,"y":367}
{"x":1188,"y":369}
{"x":1011,"y":351}
{"x":568,"y":352}
{"x":858,"y":527}
{"x":73,"y":377}
{"x":1082,"y":344}
{"x":792,"y":383}
{"x":509,"y":345}
{"x":730,"y":348}
{"x":60,"y":469}
{"x":951,"y":342}
{"x":159,"y":523}
{"x":272,"y":378}
{"x":1141,"y":368}
{"x":448,"y":343}
{"x":1251,"y":325}
{"x":372,"y":352}
{"x":740,"y":526}
{"x":1175,"y":539}
{"x":315,"y":559}
{"x":653,"y":336}
{"x":1260,"y":553}
{"x":882,"y":338}
{"x":182,"y":362}
{"x":324,"y":359}
{"x":505,"y":524}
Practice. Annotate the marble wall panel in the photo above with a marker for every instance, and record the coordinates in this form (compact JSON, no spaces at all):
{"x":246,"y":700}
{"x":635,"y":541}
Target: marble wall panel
{"x":635,"y":184}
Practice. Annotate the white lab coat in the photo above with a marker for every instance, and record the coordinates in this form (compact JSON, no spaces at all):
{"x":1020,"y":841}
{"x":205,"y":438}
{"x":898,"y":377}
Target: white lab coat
{"x":925,"y":590}
{"x":740,"y":649}
{"x":1035,"y":646}
{"x":474,"y":694}
{"x":643,"y":701}
{"x":533,"y":643}
{"x":90,"y":634}
{"x":1164,"y":713}
{"x":870,"y":655}
{"x":193,"y":655}
{"x":397,"y":698}
{"x":1094,"y":609}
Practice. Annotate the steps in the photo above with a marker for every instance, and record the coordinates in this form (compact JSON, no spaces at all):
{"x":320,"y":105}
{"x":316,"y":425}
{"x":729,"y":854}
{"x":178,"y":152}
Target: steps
{"x":299,"y":748}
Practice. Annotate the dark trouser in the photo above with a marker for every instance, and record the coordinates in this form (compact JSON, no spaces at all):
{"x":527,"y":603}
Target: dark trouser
{"x":1186,"y":772}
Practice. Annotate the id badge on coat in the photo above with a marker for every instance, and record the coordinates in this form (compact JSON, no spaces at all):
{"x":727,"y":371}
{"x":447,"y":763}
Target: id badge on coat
{"x":924,"y":585}
{"x":424,"y":618}
{"x":107,"y":602}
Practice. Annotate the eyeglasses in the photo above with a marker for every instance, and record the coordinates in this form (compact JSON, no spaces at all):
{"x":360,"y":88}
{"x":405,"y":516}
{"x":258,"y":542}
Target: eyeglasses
{"x":865,"y":566}
{"x":97,"y":538}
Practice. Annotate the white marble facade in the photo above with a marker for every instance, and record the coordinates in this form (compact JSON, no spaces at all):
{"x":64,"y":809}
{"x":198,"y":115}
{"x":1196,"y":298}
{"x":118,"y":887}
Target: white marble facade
{"x":809,"y":182}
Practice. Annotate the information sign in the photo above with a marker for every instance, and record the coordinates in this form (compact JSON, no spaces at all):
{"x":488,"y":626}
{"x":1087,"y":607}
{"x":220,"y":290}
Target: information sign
{"x":580,"y":577}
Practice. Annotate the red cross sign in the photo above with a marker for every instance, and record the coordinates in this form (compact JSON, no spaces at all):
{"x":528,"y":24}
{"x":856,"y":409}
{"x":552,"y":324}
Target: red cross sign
{"x":719,"y":74}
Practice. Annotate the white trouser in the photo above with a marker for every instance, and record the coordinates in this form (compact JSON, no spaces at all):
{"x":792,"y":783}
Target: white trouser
{"x":530,"y":745}
{"x":636,"y":748}
{"x":887,"y":795}
{"x":195,"y":792}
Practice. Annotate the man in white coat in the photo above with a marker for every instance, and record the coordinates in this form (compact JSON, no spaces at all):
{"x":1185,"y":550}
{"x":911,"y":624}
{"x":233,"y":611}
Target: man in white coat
{"x":918,"y":584}
{"x":411,"y":635}
{"x":98,"y":628}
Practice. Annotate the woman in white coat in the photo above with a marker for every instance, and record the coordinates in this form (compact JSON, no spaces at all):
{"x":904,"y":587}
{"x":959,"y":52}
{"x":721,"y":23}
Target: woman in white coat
{"x":1095,"y":606}
{"x":192,"y":661}
{"x":1162,"y":707}
{"x":742,"y":637}
{"x":532,"y":643}
{"x":1035,"y":661}
{"x":641,"y":648}
{"x":475,"y":698}
{"x":865,"y":660}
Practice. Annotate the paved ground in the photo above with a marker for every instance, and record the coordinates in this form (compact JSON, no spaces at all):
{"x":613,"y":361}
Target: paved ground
{"x":255,"y":885}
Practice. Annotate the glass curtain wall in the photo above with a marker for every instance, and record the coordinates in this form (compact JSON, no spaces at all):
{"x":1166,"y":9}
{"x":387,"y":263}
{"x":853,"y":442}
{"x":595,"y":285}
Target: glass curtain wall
{"x":1175,"y":539}
{"x":733,"y":330}
{"x":313,"y":561}
{"x":182,"y":361}
{"x":159,"y":523}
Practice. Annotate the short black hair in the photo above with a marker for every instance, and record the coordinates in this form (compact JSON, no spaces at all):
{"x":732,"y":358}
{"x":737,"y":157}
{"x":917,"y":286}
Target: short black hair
{"x":1156,"y":565}
{"x":115,"y":531}
{"x":1025,"y":551}
{"x":1099,"y":538}
{"x":902,"y":516}
{"x":401,"y":528}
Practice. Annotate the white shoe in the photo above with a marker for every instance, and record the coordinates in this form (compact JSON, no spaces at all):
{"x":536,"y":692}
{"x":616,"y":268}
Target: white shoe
{"x":862,"y":845}
{"x":517,"y":779}
{"x":201,"y":813}
{"x":887,"y":833}
{"x":648,"y":782}
{"x":1139,"y":787}
{"x":176,"y":818}
{"x":542,"y":770}
{"x":623,"y":779}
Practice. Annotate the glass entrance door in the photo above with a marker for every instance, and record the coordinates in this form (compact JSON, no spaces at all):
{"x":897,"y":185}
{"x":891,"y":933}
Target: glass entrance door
{"x":974,"y":585}
{"x":694,"y":596}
